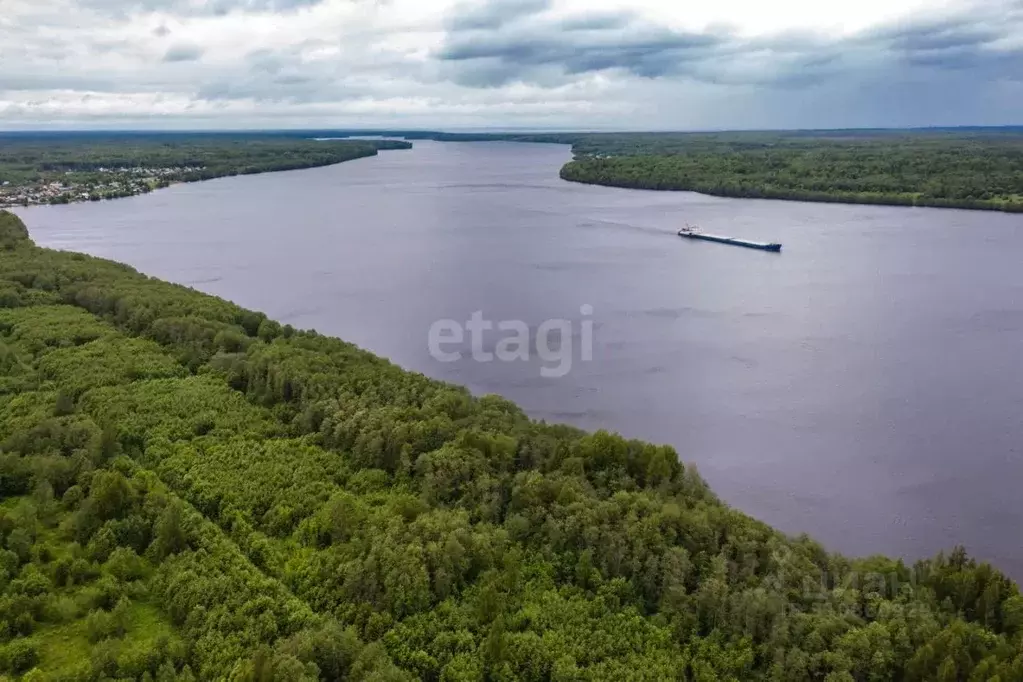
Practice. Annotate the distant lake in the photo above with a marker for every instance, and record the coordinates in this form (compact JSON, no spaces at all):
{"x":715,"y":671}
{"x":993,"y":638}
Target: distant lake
{"x":864,"y":386}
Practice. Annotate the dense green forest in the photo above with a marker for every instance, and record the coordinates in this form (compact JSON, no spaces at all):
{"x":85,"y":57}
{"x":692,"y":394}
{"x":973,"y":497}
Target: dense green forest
{"x":191,"y":491}
{"x":116,"y":165}
{"x":979,"y":171}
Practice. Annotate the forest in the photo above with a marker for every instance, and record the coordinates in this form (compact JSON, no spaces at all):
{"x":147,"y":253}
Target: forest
{"x":192,"y":491}
{"x":979,"y":170}
{"x":50,"y":168}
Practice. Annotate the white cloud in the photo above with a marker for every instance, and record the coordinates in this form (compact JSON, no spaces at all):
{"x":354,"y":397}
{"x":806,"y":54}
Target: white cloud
{"x":549,"y":63}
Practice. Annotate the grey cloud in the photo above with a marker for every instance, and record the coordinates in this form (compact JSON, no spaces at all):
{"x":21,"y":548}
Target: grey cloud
{"x":623,"y":43}
{"x":34,"y":81}
{"x":493,"y":14}
{"x":939,"y":35}
{"x":280,"y":76}
{"x":529,"y":48}
{"x":1003,"y":65}
{"x":161,"y":31}
{"x":951,"y":59}
{"x":266,"y":61}
{"x":967,"y":43}
{"x":289,"y":88}
{"x":293,"y":79}
{"x":603,"y":45}
{"x":183,"y":53}
{"x":597,"y":22}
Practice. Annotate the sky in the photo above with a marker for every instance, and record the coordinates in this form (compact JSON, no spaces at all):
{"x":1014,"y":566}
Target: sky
{"x":509,"y":64}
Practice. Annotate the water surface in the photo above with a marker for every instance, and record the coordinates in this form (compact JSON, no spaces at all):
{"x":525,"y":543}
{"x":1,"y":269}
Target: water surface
{"x":864,"y":386}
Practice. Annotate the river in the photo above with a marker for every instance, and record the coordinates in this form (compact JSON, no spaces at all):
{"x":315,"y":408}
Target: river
{"x":864,"y":386}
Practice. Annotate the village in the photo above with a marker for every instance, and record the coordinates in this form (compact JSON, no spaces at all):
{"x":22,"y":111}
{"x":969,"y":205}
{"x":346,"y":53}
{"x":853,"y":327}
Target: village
{"x":92,"y":185}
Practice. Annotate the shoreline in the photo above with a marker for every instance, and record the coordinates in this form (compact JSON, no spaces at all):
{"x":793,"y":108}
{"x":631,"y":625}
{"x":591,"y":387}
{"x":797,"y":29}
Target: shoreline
{"x":591,"y":148}
{"x":575,"y":171}
{"x":167,"y":185}
{"x":892,"y":200}
{"x":51,"y":191}
{"x":171,"y":183}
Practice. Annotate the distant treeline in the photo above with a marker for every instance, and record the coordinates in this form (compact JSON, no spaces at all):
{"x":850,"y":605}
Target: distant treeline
{"x":977,"y":168}
{"x":963,"y":171}
{"x":29,"y":159}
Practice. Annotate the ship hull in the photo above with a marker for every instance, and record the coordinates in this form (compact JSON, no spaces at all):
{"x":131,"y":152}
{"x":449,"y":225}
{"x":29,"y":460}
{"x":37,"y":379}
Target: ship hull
{"x":760,"y":246}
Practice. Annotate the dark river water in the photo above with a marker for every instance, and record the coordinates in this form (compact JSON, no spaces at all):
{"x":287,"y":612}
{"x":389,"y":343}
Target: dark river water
{"x":864,"y":386}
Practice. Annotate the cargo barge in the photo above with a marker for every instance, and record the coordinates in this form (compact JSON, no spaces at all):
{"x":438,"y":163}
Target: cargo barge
{"x":693,"y":233}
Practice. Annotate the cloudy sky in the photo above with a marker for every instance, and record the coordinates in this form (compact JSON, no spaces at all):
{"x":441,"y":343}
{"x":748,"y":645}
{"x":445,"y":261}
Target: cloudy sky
{"x":536,"y":64}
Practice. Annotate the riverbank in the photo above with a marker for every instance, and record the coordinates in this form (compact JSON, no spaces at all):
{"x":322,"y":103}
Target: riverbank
{"x":648,"y":173}
{"x":788,"y":177}
{"x":72,"y":168}
{"x":328,"y":508}
{"x":978,"y":168}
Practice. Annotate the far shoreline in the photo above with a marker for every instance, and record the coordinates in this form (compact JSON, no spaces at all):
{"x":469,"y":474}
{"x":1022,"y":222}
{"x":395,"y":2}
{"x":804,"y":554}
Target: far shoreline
{"x":576,"y":171}
{"x":893,"y":202}
{"x":58,"y":190}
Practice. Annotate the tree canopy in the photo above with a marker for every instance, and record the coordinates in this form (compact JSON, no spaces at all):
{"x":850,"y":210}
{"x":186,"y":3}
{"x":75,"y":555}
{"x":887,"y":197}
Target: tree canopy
{"x":47,"y":168}
{"x":943,"y":169}
{"x":12,"y":231}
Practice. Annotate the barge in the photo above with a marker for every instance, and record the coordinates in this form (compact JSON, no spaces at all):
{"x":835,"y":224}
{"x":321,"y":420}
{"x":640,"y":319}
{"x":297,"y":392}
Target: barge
{"x":692,"y":233}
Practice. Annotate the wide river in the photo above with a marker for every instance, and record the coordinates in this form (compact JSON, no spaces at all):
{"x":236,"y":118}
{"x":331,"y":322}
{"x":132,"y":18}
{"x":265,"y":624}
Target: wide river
{"x":864,"y":386}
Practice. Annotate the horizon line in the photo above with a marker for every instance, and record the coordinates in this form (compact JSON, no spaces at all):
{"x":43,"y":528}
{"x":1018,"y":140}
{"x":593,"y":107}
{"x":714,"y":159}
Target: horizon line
{"x":495,"y":130}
